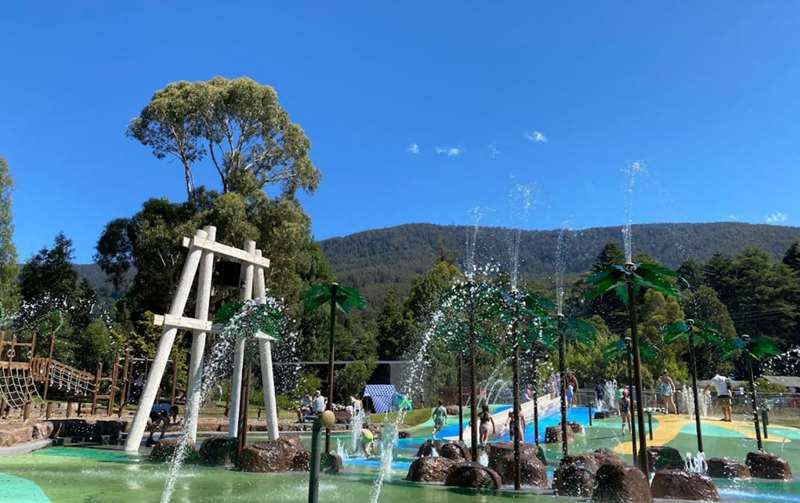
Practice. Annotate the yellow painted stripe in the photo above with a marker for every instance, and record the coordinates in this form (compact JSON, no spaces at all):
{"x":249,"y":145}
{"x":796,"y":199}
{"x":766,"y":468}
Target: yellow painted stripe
{"x":667,"y":429}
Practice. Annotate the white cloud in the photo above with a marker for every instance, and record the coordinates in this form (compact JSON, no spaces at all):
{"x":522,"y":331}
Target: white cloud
{"x":733,"y":217}
{"x":493,"y":151}
{"x":536,"y":137}
{"x":450,"y":151}
{"x":777,"y":218}
{"x":413,"y":148}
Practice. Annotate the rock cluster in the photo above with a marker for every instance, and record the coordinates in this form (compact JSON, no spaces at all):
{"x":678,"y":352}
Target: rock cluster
{"x":532,"y":471}
{"x":281,"y":455}
{"x":768,"y":466}
{"x":726,"y":468}
{"x":682,"y":485}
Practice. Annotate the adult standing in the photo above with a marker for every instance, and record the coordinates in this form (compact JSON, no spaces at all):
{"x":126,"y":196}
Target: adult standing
{"x":723,"y":386}
{"x":666,"y":388}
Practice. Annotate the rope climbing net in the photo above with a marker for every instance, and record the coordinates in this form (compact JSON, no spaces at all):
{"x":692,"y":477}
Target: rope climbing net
{"x":17,"y":385}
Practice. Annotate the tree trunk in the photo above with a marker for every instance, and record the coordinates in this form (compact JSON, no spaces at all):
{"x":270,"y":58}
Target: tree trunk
{"x":637,"y":376}
{"x":329,"y":405}
{"x":753,"y":398}
{"x":693,"y":370}
{"x":517,"y":422}
{"x":460,"y":397}
{"x":632,"y":407}
{"x":473,"y":398}
{"x":562,"y":347}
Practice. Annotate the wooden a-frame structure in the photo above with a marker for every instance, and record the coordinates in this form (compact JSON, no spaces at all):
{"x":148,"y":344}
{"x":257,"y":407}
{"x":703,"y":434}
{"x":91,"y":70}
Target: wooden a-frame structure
{"x":203,"y":248}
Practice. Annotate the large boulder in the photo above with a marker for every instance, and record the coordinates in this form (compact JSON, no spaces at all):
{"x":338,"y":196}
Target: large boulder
{"x":682,"y":485}
{"x":429,"y":469}
{"x":331,"y":463}
{"x":768,"y":466}
{"x":575,"y":475}
{"x":606,"y":456}
{"x":429,"y":448}
{"x":617,"y":483}
{"x":726,"y":468}
{"x":164,"y":450}
{"x":532,"y":471}
{"x":664,"y":458}
{"x":473,"y":475}
{"x":552,"y":434}
{"x":13,"y":434}
{"x":452,"y":410}
{"x":576,"y":427}
{"x":454,"y":451}
{"x":42,"y":430}
{"x":218,"y":451}
{"x":281,"y":455}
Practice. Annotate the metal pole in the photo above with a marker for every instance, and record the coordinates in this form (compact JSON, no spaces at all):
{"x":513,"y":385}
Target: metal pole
{"x":460,"y":397}
{"x":331,"y":349}
{"x":562,"y":345}
{"x":753,"y":395}
{"x":517,"y":422}
{"x":535,"y":409}
{"x":632,"y":408}
{"x":313,"y":477}
{"x":650,"y":423}
{"x":693,"y":369}
{"x":765,"y":421}
{"x":473,"y":398}
{"x":637,"y":373}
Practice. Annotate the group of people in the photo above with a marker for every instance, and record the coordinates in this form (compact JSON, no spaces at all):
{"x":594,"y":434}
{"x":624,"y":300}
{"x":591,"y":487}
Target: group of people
{"x":570,"y":386}
{"x":310,"y":407}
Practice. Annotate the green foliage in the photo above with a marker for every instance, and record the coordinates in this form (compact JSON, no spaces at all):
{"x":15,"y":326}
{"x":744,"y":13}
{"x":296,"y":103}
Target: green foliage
{"x":307,"y":384}
{"x":350,"y":380}
{"x":9,"y":291}
{"x":238,"y":124}
{"x":589,"y":362}
{"x":346,"y":298}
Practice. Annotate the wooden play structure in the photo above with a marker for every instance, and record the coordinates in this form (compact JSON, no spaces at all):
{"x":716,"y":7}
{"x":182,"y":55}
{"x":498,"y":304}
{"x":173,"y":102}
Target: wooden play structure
{"x":21,"y":371}
{"x":203,"y":250}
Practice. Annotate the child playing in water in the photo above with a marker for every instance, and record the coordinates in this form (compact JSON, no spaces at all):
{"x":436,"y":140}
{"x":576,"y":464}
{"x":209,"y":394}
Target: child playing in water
{"x":625,"y":410}
{"x":367,"y":441}
{"x":486,"y":419}
{"x":439,"y":416}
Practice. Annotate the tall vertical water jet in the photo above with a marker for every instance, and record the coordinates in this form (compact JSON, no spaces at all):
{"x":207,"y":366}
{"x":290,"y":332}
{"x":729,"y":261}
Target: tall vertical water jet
{"x":634,"y":170}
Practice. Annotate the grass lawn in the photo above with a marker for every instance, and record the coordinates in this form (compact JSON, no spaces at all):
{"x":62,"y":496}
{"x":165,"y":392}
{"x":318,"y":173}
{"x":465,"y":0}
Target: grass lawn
{"x":413,"y":417}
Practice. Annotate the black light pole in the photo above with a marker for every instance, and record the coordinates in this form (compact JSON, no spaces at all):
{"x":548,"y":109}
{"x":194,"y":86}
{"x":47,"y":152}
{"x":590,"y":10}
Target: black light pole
{"x":753,"y":395}
{"x":517,"y":422}
{"x":630,"y":268}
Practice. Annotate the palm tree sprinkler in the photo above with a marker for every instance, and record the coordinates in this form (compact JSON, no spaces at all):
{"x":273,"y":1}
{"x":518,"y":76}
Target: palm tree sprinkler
{"x":565,"y":329}
{"x":754,"y":348}
{"x":693,"y":332}
{"x":627,"y":281}
{"x":468,"y":305}
{"x":345,"y":299}
{"x":524,"y":315}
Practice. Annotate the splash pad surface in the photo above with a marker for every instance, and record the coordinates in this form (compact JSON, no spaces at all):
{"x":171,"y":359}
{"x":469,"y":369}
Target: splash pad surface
{"x":80,"y":474}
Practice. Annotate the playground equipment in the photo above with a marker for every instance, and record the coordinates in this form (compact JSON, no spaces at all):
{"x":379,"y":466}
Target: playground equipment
{"x":203,"y":249}
{"x":21,"y":371}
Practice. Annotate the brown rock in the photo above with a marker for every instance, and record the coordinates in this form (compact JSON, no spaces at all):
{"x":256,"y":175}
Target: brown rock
{"x":429,"y":448}
{"x":606,"y":456}
{"x":616,"y":483}
{"x":429,"y":469}
{"x":664,"y":458}
{"x":552,"y":434}
{"x":472,"y":475}
{"x":164,"y":450}
{"x":576,"y":427}
{"x":768,"y":466}
{"x":13,"y":434}
{"x":218,"y":451}
{"x":332,"y":463}
{"x":282,"y":455}
{"x":454,"y":451}
{"x":726,"y":468}
{"x":678,"y":484}
{"x":575,"y":475}
{"x":42,"y":430}
{"x":452,"y":410}
{"x":533,"y":471}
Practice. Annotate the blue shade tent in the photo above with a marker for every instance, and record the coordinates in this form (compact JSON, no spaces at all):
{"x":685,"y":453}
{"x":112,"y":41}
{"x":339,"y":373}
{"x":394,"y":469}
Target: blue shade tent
{"x":381,"y":395}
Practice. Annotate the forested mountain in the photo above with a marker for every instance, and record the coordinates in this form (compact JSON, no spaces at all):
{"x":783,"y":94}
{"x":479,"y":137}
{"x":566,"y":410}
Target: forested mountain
{"x":380,"y":259}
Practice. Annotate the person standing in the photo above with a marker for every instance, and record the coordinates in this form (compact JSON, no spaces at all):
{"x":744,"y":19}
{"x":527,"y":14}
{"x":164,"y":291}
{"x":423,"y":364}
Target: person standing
{"x":723,"y":386}
{"x":666,"y":388}
{"x":318,"y":405}
{"x":625,"y":410}
{"x":485,"y":420}
{"x":439,"y":416}
{"x":520,"y":426}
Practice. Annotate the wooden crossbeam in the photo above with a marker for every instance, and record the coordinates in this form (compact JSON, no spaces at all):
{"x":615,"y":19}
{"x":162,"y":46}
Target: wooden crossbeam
{"x":172,"y":321}
{"x":229,"y":252}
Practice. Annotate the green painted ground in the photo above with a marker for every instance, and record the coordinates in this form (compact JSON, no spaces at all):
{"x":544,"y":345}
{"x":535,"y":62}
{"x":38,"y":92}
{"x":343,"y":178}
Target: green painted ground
{"x":68,"y":474}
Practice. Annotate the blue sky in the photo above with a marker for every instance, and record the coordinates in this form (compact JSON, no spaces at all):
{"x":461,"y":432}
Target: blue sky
{"x":561,"y":96}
